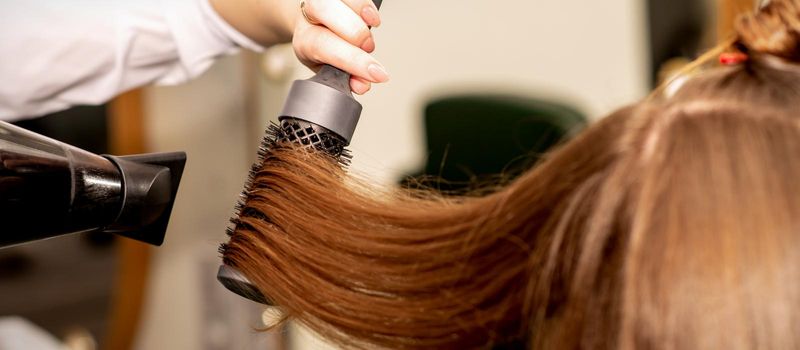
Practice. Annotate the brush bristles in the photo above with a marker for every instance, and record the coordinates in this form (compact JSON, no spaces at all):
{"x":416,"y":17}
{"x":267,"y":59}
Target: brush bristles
{"x":310,"y":137}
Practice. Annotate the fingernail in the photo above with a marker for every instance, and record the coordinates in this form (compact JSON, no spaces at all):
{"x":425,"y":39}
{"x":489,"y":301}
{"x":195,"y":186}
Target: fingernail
{"x":370,"y":15}
{"x":378,"y":73}
{"x":368,"y":45}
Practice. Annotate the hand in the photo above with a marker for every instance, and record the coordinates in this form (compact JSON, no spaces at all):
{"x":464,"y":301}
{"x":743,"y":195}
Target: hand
{"x":337,"y":32}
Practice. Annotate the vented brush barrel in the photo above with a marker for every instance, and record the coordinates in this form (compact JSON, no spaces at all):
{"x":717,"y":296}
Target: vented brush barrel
{"x":312,"y":135}
{"x":326,"y":102}
{"x":319,"y":113}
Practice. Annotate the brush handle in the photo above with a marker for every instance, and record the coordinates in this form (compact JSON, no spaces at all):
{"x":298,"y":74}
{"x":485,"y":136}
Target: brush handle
{"x":335,"y":77}
{"x":321,"y":112}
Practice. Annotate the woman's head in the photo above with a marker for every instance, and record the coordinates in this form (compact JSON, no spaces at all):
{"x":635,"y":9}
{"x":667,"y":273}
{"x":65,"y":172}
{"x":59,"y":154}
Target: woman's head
{"x":673,"y":223}
{"x":688,"y":236}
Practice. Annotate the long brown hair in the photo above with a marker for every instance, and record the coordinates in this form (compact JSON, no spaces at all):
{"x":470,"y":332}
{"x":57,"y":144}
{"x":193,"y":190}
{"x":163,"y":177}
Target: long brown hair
{"x":673,"y":223}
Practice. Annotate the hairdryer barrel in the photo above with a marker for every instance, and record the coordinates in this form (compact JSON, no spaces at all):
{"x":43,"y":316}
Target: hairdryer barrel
{"x":49,"y":188}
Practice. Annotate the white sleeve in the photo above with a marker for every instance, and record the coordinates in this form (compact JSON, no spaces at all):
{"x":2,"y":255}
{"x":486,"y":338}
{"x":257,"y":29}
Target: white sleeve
{"x":56,"y":54}
{"x":17,"y":333}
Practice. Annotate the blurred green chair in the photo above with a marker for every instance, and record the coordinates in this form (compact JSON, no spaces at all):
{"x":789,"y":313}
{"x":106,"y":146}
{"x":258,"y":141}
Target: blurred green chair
{"x":475,"y":140}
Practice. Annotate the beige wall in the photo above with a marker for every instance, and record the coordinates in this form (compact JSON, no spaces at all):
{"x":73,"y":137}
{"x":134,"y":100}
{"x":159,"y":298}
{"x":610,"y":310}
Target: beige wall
{"x":587,"y":52}
{"x":186,"y":308}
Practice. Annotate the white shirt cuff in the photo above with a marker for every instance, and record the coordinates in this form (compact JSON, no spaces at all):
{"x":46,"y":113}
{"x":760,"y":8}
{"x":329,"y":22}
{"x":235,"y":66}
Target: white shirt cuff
{"x":234,"y":35}
{"x":201,"y":35}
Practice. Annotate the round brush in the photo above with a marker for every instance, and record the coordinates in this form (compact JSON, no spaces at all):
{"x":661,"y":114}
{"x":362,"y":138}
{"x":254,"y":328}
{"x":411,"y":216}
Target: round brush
{"x":319,"y":113}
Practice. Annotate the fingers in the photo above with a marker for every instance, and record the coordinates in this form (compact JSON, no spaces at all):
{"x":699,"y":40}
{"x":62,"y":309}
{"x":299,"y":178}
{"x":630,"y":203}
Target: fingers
{"x":319,"y":45}
{"x":336,"y":32}
{"x":349,"y":19}
{"x":367,"y":10}
{"x":359,"y":85}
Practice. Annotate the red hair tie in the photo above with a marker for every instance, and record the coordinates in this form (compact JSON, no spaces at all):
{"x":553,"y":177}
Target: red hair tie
{"x":733,"y":58}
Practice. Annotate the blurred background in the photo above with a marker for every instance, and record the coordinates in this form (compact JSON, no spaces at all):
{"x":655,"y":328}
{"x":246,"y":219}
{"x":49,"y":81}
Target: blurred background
{"x":530,"y":72}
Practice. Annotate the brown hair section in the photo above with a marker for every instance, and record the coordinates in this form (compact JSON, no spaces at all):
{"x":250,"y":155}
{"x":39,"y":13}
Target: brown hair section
{"x":774,"y":30}
{"x":669,"y":224}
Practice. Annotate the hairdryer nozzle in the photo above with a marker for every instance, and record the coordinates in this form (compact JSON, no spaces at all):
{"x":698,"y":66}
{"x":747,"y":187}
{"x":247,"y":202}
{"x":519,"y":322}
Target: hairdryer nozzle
{"x":151,"y":184}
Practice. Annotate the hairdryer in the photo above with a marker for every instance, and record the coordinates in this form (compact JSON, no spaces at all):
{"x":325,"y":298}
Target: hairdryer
{"x":49,"y":188}
{"x":320,"y":113}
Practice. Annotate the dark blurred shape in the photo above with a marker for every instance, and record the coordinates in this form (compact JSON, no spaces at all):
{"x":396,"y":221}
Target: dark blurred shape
{"x":84,"y":127}
{"x":98,"y":240}
{"x":676,"y":30}
{"x":15,"y":264}
{"x":475,"y":140}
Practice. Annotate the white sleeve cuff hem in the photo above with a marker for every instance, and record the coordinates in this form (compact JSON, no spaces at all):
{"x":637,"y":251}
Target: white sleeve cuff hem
{"x":234,"y":35}
{"x":201,"y":36}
